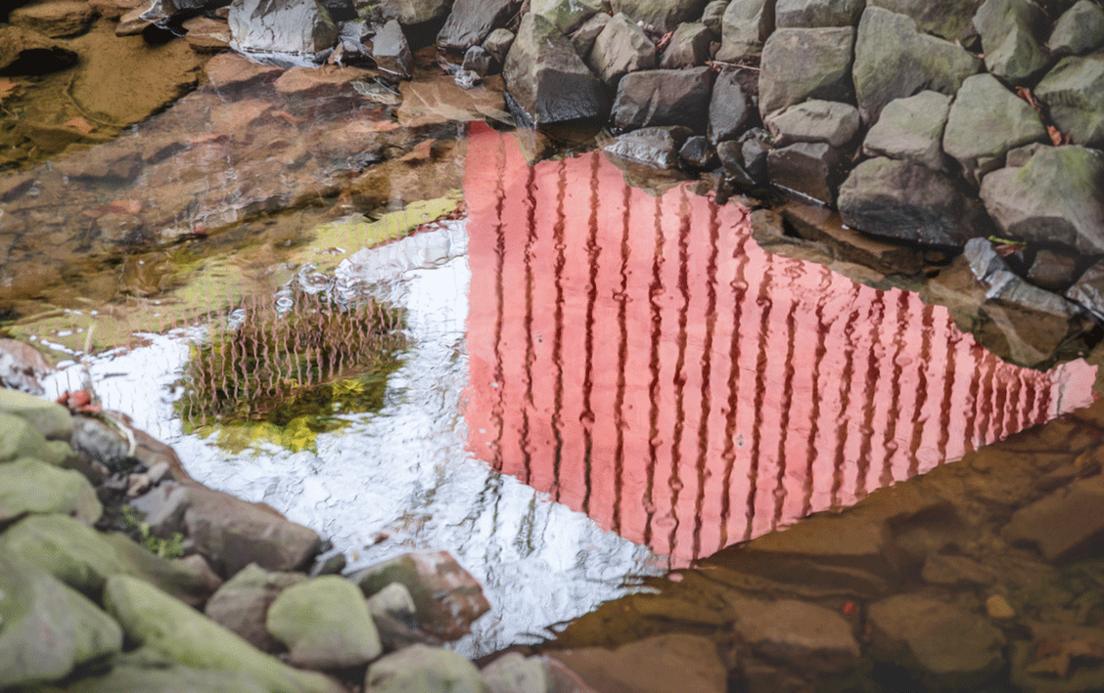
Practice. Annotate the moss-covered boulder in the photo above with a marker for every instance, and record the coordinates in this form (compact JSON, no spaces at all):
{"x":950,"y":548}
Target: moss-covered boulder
{"x":426,"y":670}
{"x":241,"y":604}
{"x":28,"y":486}
{"x":84,"y":559}
{"x":325,"y":624}
{"x":19,"y":439}
{"x":171,"y":629}
{"x":164,"y":677}
{"x":49,"y":418}
{"x":47,"y":629}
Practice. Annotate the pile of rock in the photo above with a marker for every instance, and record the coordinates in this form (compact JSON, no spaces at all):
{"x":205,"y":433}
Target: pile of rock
{"x":119,"y":573}
{"x":926,"y":123}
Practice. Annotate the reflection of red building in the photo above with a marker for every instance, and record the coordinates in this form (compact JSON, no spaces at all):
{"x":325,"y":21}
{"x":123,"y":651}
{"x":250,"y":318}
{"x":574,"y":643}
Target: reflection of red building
{"x":645,"y":362}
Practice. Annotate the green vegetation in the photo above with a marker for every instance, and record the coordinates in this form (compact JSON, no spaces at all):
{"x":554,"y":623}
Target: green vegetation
{"x":170,"y":548}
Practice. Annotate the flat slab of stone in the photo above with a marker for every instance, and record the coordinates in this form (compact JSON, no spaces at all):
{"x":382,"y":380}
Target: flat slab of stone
{"x":1066,"y":524}
{"x":911,"y":129}
{"x":655,"y":665}
{"x":801,"y":634}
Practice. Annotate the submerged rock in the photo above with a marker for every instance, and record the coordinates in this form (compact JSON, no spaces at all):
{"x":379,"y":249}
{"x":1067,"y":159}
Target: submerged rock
{"x":546,"y":78}
{"x":1008,"y":29}
{"x":801,"y":64}
{"x":424,"y":669}
{"x":473,"y":21}
{"x":56,"y":19}
{"x":48,"y":418}
{"x":1053,"y":198}
{"x":656,"y":146}
{"x":911,"y":202}
{"x":27,"y":52}
{"x":1064,"y":525}
{"x":796,"y":633}
{"x":325,"y":624}
{"x":664,"y":97}
{"x":911,"y":129}
{"x":1074,"y":95}
{"x":296,"y":27}
{"x":1080,"y":30}
{"x":660,"y":664}
{"x":893,"y":60}
{"x":515,"y":673}
{"x":745,"y":26}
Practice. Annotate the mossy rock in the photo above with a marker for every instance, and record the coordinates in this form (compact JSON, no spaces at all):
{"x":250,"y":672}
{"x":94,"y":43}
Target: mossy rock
{"x":47,"y":629}
{"x":84,"y":559}
{"x":50,"y":419}
{"x":28,"y":486}
{"x":19,"y":438}
{"x":170,"y":628}
{"x":424,"y":669}
{"x":151,"y":673}
{"x":325,"y":624}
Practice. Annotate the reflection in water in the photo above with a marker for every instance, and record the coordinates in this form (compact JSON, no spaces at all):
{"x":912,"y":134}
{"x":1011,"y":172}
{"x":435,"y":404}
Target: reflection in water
{"x":644,"y":361}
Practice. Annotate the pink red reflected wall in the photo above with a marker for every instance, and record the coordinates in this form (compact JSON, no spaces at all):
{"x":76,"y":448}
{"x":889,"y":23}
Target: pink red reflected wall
{"x":644,"y":361}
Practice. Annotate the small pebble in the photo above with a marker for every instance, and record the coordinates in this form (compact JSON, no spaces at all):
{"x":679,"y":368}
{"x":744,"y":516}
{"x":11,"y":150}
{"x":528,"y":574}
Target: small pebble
{"x":998,"y":608}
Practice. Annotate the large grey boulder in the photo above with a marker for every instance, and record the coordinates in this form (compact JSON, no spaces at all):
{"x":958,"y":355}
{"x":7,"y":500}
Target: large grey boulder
{"x":1009,"y":32}
{"x":1080,"y":30}
{"x":241,"y":603}
{"x":547,"y":80}
{"x":228,"y":532}
{"x":325,"y":624}
{"x":472,"y":21}
{"x":1088,"y":290}
{"x":944,"y":645}
{"x":713,"y":17}
{"x":47,"y":629}
{"x":1052,"y":199}
{"x":565,"y":15}
{"x":297,"y":27}
{"x":411,"y":12}
{"x":811,"y":169}
{"x":986,"y":122}
{"x":893,"y":59}
{"x":689,"y":46}
{"x":622,"y":47}
{"x":949,"y":19}
{"x":817,"y":13}
{"x":584,"y":37}
{"x":801,"y":64}
{"x":498,"y":44}
{"x":1074,"y":94}
{"x":911,"y":129}
{"x":662,"y":15}
{"x":815,"y":121}
{"x":745,"y":26}
{"x":178,"y":633}
{"x":426,"y":670}
{"x":391,"y":52}
{"x":664,"y":97}
{"x":28,"y":486}
{"x":911,"y":202}
{"x":659,"y":147}
{"x":730,"y":109}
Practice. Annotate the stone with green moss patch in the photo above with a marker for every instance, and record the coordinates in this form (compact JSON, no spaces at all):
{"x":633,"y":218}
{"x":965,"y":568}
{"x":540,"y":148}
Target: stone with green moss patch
{"x":19,"y":439}
{"x":50,"y":419}
{"x":325,"y":624}
{"x":28,"y":486}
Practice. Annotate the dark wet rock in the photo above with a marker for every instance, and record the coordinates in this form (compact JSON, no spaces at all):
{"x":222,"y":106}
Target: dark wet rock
{"x":697,"y":153}
{"x":30,"y":487}
{"x":27,"y":52}
{"x":473,"y":21}
{"x":658,"y":664}
{"x":1054,"y":659}
{"x":815,"y":121}
{"x":955,"y":571}
{"x":228,"y":532}
{"x":394,"y":601}
{"x":478,"y":61}
{"x":1053,"y":198}
{"x":817,"y":13}
{"x":84,"y":559}
{"x":340,"y":10}
{"x":949,"y":19}
{"x":622,"y":47}
{"x":425,"y":669}
{"x":515,"y":673}
{"x":1074,"y":95}
{"x":664,"y":97}
{"x":745,"y":160}
{"x":391,"y":52}
{"x":1064,"y":525}
{"x":206,"y":35}
{"x":811,"y":169}
{"x":241,"y":604}
{"x":298,"y":27}
{"x":194,"y":641}
{"x":825,"y":228}
{"x":1008,"y":29}
{"x":413,"y":12}
{"x":22,"y":367}
{"x":661,"y":15}
{"x":713,"y":17}
{"x":565,"y":15}
{"x":730,"y":109}
{"x":911,"y":129}
{"x":745,"y":26}
{"x":796,"y":633}
{"x":448,"y":598}
{"x":50,"y":419}
{"x":1053,"y":270}
{"x":584,"y":37}
{"x":911,"y":202}
{"x":1080,"y":30}
{"x":56,"y":18}
{"x":20,"y":439}
{"x":893,"y":60}
{"x":801,"y":64}
{"x":325,"y":624}
{"x":47,"y":629}
{"x":1088,"y":291}
{"x":498,"y":44}
{"x":986,"y":122}
{"x":546,"y":78}
{"x":332,"y":564}
{"x":946,"y":646}
{"x":689,"y":46}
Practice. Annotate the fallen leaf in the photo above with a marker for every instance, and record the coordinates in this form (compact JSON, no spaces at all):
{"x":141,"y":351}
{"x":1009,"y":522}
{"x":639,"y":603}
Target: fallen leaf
{"x":125,"y":206}
{"x":1057,"y":136}
{"x":1025,"y":94}
{"x":80,"y":125}
{"x":7,"y":88}
{"x":664,"y":40}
